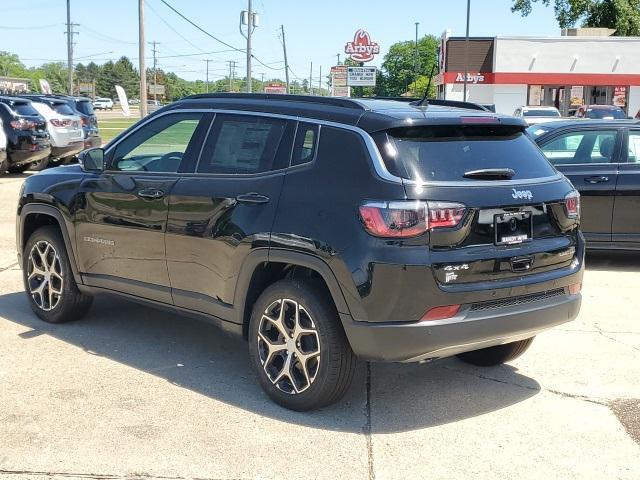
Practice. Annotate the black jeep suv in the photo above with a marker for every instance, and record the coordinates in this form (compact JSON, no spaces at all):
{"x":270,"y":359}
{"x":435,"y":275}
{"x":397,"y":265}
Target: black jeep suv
{"x":320,"y":229}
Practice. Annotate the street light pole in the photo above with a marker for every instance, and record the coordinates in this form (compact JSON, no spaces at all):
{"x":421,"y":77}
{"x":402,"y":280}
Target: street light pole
{"x":466,"y":53}
{"x":415,"y":58}
{"x":249,"y":29}
{"x":143,"y":71}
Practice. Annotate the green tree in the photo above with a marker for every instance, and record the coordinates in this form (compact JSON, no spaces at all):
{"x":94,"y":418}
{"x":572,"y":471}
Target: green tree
{"x":398,"y":65}
{"x":621,"y":15}
{"x":10,"y":65}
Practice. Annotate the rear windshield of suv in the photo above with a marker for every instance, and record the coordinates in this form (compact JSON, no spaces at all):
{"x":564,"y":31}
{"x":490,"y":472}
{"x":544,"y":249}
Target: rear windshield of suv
{"x":605,"y":113}
{"x":540,"y":113}
{"x":63,"y":109}
{"x":84,"y":106}
{"x":447,"y":152}
{"x":25,"y":109}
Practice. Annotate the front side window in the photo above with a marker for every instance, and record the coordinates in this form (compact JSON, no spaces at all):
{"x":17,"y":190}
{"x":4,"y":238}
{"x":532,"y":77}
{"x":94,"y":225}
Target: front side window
{"x":159,"y":146}
{"x":574,"y":148}
{"x":243,"y":144}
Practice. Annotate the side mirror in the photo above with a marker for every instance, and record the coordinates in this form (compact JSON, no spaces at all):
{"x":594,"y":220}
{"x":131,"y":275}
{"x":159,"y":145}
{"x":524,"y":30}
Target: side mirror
{"x":92,"y":160}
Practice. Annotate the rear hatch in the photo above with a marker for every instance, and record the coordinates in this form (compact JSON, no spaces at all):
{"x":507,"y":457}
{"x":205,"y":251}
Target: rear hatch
{"x":29,"y":120}
{"x":497,"y":209}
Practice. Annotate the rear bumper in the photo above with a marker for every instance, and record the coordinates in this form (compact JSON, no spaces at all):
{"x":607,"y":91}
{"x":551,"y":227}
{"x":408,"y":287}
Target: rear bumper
{"x":67,"y":150}
{"x":93,"y":141}
{"x":18,"y":157}
{"x":469,"y":330}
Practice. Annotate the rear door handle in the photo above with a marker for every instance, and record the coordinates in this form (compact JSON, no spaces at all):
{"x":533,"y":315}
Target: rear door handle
{"x":252,"y":198}
{"x":596,"y":179}
{"x":152,"y":193}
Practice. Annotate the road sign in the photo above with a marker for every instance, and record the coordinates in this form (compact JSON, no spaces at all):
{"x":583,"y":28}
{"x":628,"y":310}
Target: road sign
{"x":156,"y":89}
{"x":339,"y":86}
{"x":275,"y":88}
{"x":361,"y":76}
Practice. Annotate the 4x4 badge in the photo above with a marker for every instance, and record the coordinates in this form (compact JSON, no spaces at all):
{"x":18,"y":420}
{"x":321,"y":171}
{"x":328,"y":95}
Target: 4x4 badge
{"x":522,"y":194}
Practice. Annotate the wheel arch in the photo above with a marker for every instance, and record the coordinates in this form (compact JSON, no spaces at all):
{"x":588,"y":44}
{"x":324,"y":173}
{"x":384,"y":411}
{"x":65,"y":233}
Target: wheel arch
{"x":33,"y":216}
{"x":263,"y":267}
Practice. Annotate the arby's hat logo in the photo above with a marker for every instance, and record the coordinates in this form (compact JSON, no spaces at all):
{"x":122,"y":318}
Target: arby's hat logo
{"x":362,"y":48}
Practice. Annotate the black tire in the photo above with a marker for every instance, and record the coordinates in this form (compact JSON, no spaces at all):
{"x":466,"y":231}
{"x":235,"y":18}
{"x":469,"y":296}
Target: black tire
{"x":492,"y":356}
{"x":71,"y":304}
{"x":19,"y":168}
{"x":40,"y":164}
{"x":335,"y":369}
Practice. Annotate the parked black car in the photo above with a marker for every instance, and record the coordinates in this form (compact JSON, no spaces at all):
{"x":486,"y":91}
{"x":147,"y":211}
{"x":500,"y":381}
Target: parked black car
{"x":27,"y":137}
{"x":320,"y":229}
{"x":602,"y":160}
{"x":83,"y":107}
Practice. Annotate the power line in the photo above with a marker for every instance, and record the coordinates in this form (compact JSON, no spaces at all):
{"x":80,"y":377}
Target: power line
{"x":171,"y":27}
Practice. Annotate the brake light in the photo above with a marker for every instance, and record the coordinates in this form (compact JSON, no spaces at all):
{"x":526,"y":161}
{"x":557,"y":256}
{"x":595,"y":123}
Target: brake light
{"x":22,"y":124}
{"x":479,"y":120}
{"x":60,"y":123}
{"x":440,"y":313}
{"x":575,"y":288}
{"x":572,"y":204}
{"x":409,"y":218}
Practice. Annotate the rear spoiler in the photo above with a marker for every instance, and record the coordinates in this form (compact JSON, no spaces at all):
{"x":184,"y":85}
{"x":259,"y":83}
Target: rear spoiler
{"x":451,"y":103}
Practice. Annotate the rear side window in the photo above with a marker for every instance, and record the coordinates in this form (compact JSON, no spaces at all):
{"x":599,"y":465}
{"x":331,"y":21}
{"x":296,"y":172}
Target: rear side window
{"x":447,"y":152}
{"x":605,"y":113}
{"x":25,"y":109}
{"x":244,"y":144}
{"x":304,"y":147}
{"x":63,"y":109}
{"x":84,"y":107}
{"x":575,"y":148}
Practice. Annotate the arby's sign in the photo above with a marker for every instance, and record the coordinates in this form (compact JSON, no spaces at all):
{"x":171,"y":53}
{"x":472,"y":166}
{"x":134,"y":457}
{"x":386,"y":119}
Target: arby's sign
{"x":362,"y":48}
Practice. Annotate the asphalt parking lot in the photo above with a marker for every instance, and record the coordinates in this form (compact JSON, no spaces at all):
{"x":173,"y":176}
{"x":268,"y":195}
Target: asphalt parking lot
{"x":135,"y":392}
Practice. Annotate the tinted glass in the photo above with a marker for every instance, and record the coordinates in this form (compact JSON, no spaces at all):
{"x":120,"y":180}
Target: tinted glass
{"x":634,"y":146}
{"x":242,"y":144}
{"x":536,"y":130}
{"x":158,"y":146}
{"x":305,"y":145}
{"x":594,"y":146}
{"x":446,"y":152}
{"x":63,"y":109}
{"x":25,"y":109}
{"x":541,"y":113}
{"x":615,"y":113}
{"x":85,"y":107}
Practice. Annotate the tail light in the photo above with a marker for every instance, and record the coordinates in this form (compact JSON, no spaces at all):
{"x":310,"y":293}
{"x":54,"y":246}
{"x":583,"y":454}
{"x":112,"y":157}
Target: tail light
{"x":440,"y":313}
{"x":22,"y":124}
{"x":60,"y":123}
{"x":575,"y":288}
{"x":572,"y":204}
{"x":409,"y":218}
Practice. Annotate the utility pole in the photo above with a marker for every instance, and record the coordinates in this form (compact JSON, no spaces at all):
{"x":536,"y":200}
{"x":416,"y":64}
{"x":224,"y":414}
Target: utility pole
{"x":286,"y":63}
{"x":155,"y":75}
{"x":70,"y":33}
{"x":311,"y":79}
{"x":338,"y":55}
{"x":232,"y":66}
{"x":320,"y":82}
{"x":415,"y":59}
{"x":251,"y":20}
{"x":207,"y":60}
{"x":262,"y":81}
{"x":466,"y":53}
{"x":143,"y":71}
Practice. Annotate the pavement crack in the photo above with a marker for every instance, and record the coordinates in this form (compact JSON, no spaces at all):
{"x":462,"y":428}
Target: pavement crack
{"x":366,"y":429}
{"x":606,"y":335}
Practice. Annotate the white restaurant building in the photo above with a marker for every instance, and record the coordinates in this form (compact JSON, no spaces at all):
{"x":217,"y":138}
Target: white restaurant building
{"x":584,"y":66}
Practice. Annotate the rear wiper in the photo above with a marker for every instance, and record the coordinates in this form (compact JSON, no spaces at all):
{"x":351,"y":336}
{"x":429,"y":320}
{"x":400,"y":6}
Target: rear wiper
{"x":491,"y":174}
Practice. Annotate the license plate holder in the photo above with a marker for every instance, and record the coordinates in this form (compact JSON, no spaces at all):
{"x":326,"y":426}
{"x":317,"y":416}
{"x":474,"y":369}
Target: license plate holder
{"x":512,"y":228}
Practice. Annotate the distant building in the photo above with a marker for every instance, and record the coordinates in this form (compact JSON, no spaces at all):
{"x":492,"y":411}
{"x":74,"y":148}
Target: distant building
{"x":584,"y":66}
{"x":13,"y":85}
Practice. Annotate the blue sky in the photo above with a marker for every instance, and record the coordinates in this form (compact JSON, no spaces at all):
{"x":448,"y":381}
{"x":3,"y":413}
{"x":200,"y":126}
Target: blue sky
{"x":315,"y":31}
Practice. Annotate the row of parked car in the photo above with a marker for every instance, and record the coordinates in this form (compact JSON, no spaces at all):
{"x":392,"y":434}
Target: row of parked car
{"x":37,"y":131}
{"x":534,"y":115}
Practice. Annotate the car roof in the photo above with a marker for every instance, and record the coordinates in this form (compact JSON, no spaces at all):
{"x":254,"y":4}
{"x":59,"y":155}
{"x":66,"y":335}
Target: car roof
{"x":539,"y":107}
{"x":603,"y":107}
{"x":371,"y":114}
{"x":587,"y":124}
{"x":44,"y":99}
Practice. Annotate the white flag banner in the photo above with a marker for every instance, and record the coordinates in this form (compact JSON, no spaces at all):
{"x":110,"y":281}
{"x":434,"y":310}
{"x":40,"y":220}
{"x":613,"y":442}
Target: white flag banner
{"x":45,"y":87}
{"x":124,"y":103}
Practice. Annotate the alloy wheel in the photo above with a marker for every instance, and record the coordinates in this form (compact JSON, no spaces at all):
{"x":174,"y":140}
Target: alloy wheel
{"x":289,"y":346}
{"x":44,"y":275}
